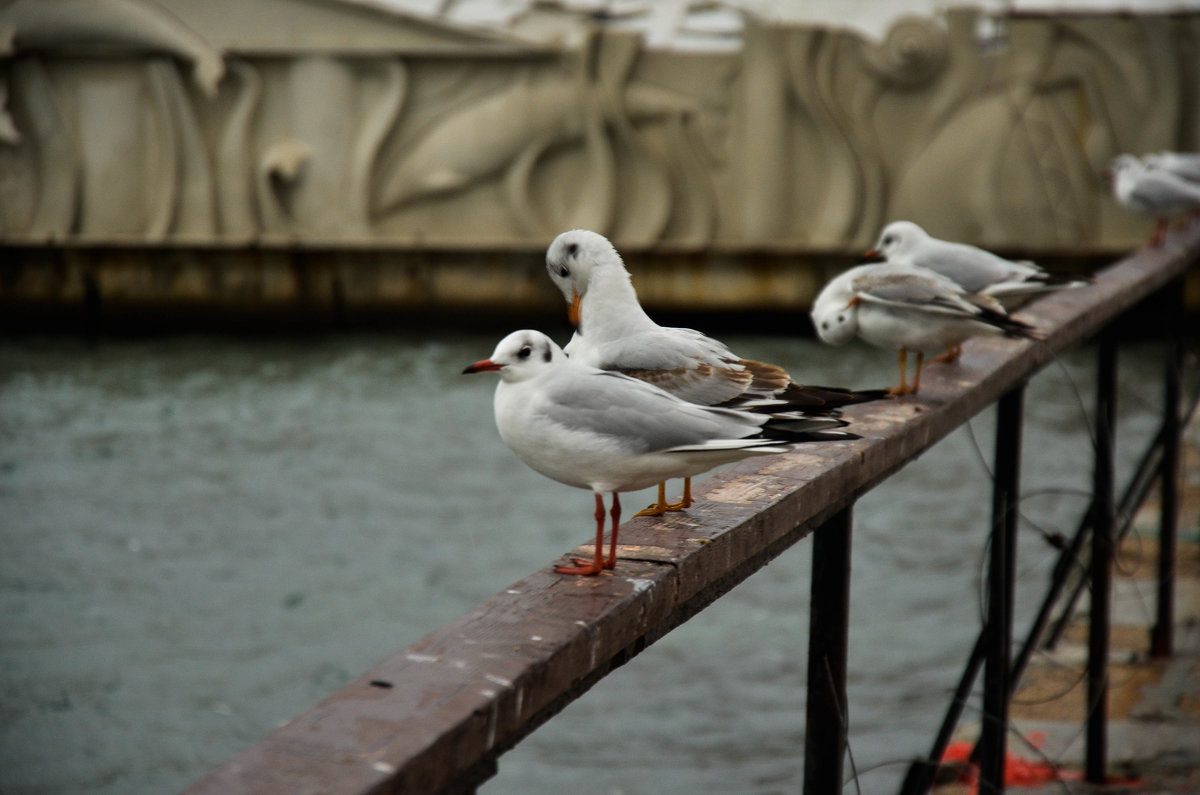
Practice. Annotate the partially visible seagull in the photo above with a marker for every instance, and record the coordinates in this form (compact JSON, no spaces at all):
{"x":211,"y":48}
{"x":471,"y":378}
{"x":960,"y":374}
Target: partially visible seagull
{"x":1156,"y":192}
{"x":1181,"y":164}
{"x":976,"y":270}
{"x":907,"y":308}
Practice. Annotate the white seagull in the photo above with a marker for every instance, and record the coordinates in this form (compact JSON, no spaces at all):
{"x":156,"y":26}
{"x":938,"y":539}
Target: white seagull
{"x":974,"y":269}
{"x":613,"y":332}
{"x":1181,"y":164}
{"x":607,"y":432}
{"x":1156,"y":192}
{"x":908,"y":308}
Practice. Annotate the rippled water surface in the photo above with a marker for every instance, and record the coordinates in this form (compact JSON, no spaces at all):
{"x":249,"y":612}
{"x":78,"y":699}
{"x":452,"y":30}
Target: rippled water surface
{"x":203,"y":536}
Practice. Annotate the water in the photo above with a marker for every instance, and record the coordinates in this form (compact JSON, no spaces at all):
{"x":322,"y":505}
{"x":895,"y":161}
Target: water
{"x":203,"y":536}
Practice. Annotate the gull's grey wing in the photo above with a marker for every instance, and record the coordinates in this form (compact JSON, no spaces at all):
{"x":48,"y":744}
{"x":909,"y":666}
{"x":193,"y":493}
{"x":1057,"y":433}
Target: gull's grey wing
{"x":686,"y":363}
{"x":1158,"y":189}
{"x":640,"y":417}
{"x":972,"y":268}
{"x":910,"y":290}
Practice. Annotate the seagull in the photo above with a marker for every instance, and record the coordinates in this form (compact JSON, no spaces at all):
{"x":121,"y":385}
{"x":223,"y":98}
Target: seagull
{"x":613,"y":332}
{"x":972,"y":268}
{"x":1181,"y":164}
{"x":1157,"y":192}
{"x":909,"y":308}
{"x":604,"y":431}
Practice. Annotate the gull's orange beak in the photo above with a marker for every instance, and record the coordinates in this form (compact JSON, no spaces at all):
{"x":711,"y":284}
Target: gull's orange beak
{"x":573,"y":309}
{"x":873,"y":255}
{"x":481,"y":366}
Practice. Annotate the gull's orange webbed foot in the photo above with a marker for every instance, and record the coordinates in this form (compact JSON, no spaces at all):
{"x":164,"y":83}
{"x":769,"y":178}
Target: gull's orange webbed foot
{"x":952,"y":354}
{"x":654,"y":510}
{"x":660,"y":507}
{"x":582,"y":568}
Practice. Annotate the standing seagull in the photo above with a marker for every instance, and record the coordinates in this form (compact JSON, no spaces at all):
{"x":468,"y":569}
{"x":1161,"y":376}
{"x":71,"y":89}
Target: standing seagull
{"x":613,"y":332}
{"x":604,"y":431}
{"x":970,"y":267}
{"x":1182,"y":164}
{"x":1156,"y":192}
{"x":908,"y":308}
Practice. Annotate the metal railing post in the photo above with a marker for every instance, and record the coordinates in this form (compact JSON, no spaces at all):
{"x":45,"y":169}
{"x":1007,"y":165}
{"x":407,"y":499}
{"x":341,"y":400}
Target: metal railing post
{"x":1162,"y":640}
{"x":1001,"y":583}
{"x":1096,"y":751}
{"x":828,"y":631}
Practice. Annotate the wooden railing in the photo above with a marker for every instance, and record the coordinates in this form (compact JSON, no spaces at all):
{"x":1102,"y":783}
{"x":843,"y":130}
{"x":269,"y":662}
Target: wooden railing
{"x":436,"y":716}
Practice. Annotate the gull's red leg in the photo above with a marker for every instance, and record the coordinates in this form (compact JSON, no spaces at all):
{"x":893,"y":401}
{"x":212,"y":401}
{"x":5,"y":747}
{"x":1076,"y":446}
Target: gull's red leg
{"x":916,"y":387}
{"x":616,"y":520}
{"x":952,"y":354}
{"x":583,"y":567}
{"x":1160,"y":233}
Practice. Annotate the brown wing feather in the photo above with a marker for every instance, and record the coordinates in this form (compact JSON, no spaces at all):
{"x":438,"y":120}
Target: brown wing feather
{"x":769,"y":377}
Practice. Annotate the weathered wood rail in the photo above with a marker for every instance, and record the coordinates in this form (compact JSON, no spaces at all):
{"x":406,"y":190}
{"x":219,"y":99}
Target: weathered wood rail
{"x":436,"y":716}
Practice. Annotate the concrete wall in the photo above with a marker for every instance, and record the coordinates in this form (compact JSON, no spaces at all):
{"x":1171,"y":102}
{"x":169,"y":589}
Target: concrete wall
{"x":293,"y":124}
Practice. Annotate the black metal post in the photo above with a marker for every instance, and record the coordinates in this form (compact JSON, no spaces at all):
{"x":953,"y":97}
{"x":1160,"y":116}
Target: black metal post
{"x":828,"y":632}
{"x":1001,"y":582}
{"x":1096,"y":751}
{"x":1162,"y":635}
{"x":1133,"y":496}
{"x":921,"y":772}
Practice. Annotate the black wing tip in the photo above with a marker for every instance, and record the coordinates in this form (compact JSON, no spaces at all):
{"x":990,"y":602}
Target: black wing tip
{"x":1017,"y":329}
{"x":828,"y":398}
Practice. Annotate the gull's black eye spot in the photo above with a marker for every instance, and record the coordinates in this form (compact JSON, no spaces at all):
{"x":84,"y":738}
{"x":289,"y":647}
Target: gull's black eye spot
{"x":572,"y":249}
{"x":563,"y":271}
{"x":841,"y":318}
{"x":524,"y":352}
{"x":825,"y":325}
{"x":888,"y":240}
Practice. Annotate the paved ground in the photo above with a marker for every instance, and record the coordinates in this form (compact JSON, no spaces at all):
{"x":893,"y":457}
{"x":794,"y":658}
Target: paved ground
{"x":1154,"y":705}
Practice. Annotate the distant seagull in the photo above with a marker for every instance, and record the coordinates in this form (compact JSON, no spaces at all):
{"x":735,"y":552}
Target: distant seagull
{"x":974,"y":269}
{"x":1181,"y":164}
{"x":613,"y":332}
{"x":1156,"y":192}
{"x":908,"y":308}
{"x":607,"y":432}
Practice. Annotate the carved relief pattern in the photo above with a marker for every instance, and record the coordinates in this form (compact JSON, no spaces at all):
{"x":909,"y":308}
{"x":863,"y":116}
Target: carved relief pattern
{"x":807,"y":136}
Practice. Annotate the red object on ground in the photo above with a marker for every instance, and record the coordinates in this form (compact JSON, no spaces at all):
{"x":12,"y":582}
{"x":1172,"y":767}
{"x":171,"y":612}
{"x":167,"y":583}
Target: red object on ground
{"x":1018,"y":772}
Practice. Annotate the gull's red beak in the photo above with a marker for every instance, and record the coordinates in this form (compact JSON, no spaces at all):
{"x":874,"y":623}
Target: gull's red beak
{"x":573,"y":310}
{"x":481,"y":366}
{"x":872,"y":255}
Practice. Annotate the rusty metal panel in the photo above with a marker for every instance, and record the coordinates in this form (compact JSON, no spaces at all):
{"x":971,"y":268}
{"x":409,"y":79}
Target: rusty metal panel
{"x":436,"y":715}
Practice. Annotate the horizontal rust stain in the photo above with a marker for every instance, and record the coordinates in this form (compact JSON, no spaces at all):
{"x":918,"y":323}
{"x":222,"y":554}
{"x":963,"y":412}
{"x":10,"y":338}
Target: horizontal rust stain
{"x":436,"y":715}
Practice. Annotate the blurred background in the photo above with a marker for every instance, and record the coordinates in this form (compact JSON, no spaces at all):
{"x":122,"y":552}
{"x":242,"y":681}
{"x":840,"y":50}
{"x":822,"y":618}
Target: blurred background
{"x":247,"y":247}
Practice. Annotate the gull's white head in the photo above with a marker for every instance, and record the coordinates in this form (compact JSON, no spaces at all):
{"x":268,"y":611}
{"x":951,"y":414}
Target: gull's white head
{"x":573,"y":258}
{"x":899,"y":240}
{"x":834,"y":314}
{"x":1125,"y":172}
{"x":521,"y":355}
{"x":1125,"y":164}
